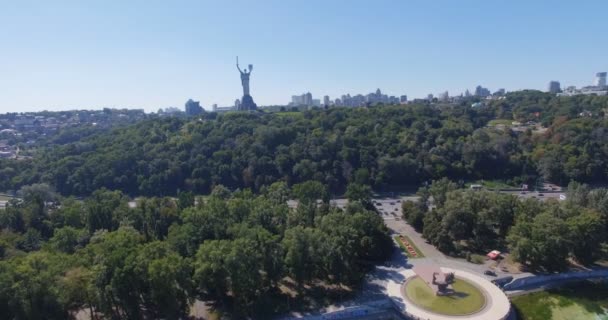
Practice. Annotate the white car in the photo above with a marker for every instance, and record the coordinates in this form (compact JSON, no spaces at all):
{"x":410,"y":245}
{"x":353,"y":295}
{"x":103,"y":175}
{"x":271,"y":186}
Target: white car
{"x":562,"y":197}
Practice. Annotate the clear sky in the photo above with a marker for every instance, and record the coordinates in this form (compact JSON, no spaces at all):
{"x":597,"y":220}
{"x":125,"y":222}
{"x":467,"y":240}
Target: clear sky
{"x":58,"y":55}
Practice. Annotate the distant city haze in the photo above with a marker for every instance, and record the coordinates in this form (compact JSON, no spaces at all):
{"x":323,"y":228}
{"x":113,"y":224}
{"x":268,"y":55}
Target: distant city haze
{"x":58,"y":55}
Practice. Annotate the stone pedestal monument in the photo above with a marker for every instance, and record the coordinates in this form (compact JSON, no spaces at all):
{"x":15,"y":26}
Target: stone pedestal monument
{"x":247,"y":103}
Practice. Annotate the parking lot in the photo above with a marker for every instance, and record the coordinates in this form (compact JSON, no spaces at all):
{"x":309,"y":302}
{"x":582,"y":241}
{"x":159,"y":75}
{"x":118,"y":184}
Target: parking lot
{"x":390,"y":208}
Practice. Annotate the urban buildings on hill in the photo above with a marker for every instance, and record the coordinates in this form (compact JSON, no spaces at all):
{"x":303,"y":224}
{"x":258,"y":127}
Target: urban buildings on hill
{"x":599,"y":87}
{"x":29,"y":127}
{"x":347,"y":100}
{"x":482,"y":92}
{"x":378,"y":97}
{"x":304,"y":99}
{"x":500,"y":92}
{"x":215,"y":108}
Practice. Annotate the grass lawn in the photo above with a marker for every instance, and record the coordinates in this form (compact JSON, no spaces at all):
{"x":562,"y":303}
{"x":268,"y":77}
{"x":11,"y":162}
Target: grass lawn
{"x":586,"y":300}
{"x":466,"y":299}
{"x":418,"y":252}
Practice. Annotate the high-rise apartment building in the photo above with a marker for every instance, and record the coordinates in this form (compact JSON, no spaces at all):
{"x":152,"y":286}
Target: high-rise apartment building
{"x":308,"y":99}
{"x":326,"y":100}
{"x":554,"y":87}
{"x":482,"y":92}
{"x":193,"y":108}
{"x":600,"y":79}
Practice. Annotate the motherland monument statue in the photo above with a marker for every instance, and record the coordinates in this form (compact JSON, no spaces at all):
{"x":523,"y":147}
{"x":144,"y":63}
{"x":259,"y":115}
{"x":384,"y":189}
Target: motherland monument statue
{"x":247,"y":101}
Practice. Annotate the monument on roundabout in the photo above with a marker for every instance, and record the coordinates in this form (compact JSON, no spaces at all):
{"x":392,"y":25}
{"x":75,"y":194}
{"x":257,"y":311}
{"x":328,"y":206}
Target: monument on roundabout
{"x":431,"y":292}
{"x":438,"y":281}
{"x":247,"y":103}
{"x":443,"y":283}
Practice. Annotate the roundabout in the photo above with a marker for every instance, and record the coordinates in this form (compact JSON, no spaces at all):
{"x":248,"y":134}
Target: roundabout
{"x":469,"y":296}
{"x":465,"y":300}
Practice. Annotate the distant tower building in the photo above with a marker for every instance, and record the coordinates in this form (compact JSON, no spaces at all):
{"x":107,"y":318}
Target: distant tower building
{"x":500,"y":92}
{"x":297,"y":100}
{"x":429,"y":97}
{"x":600,"y":79}
{"x":308,"y":99}
{"x":554,"y":87}
{"x":403,"y":99}
{"x":237,"y":104}
{"x":481,"y":91}
{"x":193,"y":108}
{"x":467,"y":93}
{"x":326,"y":100}
{"x":444,"y":96}
{"x":214,"y":107}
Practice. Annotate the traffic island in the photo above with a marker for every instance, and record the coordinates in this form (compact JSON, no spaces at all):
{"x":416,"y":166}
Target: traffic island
{"x":408,"y":246}
{"x":466,"y":295}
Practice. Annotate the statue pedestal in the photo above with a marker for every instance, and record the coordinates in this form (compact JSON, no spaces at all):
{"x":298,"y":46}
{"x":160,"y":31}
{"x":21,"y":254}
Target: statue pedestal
{"x":247,"y":104}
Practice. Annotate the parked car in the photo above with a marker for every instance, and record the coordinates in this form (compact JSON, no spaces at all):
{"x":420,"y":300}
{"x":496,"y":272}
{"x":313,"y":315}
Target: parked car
{"x":490,"y":273}
{"x":541,"y":194}
{"x":500,"y":282}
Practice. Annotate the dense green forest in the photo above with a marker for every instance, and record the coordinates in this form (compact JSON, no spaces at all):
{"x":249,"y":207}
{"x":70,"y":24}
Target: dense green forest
{"x":381,"y":146}
{"x":540,"y":235}
{"x":248,"y":255}
{"x":242,"y":249}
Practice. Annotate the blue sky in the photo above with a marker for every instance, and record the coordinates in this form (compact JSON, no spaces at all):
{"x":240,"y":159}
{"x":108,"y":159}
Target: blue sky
{"x":58,"y":55}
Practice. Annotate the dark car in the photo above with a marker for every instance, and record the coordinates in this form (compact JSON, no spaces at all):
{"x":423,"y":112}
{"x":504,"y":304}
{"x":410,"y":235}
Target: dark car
{"x":500,"y":282}
{"x":490,"y":273}
{"x":541,"y":194}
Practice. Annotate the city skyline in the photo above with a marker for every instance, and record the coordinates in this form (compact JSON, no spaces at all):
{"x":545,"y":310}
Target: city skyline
{"x":121,"y":56}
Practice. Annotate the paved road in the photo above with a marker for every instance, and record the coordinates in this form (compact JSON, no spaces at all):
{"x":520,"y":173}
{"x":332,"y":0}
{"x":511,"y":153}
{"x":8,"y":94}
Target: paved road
{"x":543,"y":196}
{"x":390,"y":210}
{"x":391,"y":213}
